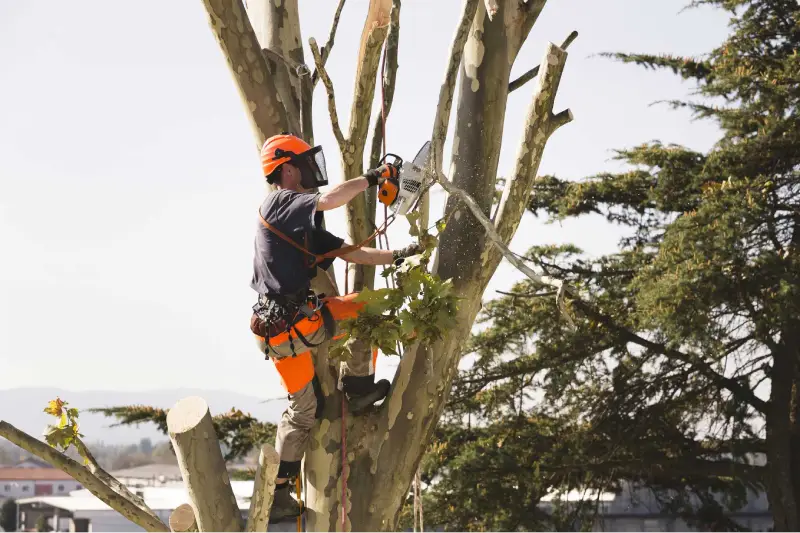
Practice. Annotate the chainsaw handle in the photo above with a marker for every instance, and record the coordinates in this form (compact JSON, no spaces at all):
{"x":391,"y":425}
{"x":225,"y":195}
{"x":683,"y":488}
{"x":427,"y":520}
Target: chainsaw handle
{"x":396,"y":162}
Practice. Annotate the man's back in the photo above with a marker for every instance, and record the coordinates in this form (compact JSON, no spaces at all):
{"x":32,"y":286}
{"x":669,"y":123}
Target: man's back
{"x":279,"y":267}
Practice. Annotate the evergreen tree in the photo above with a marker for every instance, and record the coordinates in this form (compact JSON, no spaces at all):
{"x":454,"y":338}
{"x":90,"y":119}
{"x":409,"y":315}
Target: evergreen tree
{"x":8,"y":515}
{"x":683,"y":370}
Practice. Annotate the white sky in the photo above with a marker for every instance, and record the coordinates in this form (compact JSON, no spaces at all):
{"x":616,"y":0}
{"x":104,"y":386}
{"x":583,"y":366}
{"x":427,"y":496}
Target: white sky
{"x":129,"y":177}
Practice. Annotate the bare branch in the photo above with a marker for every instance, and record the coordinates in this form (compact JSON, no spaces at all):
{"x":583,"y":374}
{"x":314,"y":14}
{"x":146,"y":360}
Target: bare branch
{"x":538,"y":128}
{"x":445,"y":104}
{"x":326,"y":50}
{"x":558,"y":120}
{"x":326,"y":81}
{"x":532,"y":73}
{"x":118,"y":502}
{"x":389,"y":80}
{"x":107,"y":478}
{"x":263,"y":489}
{"x":376,"y":28}
{"x":512,"y":258}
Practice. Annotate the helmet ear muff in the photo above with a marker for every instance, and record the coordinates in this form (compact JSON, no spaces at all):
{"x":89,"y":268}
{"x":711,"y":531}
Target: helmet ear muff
{"x":275,"y":176}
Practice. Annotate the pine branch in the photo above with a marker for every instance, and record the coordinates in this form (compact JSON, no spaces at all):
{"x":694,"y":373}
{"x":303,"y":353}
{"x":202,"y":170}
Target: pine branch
{"x":687,"y":68}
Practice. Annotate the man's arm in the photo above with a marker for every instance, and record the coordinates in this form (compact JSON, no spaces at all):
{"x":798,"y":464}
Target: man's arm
{"x":373,"y":256}
{"x":369,"y":256}
{"x":342,"y":193}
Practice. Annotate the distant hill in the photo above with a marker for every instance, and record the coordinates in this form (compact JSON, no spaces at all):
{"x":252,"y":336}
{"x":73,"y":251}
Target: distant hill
{"x":23,"y":408}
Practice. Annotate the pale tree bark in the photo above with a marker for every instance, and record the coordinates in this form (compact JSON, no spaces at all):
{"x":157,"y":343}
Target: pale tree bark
{"x":202,"y":466}
{"x":182,"y":519}
{"x":263,"y":489}
{"x":238,"y":42}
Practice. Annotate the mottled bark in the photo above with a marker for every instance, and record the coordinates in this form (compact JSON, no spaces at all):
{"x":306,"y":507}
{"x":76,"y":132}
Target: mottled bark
{"x":277,"y":27}
{"x":395,"y":444}
{"x":541,"y":122}
{"x":263,"y":489}
{"x":231,"y":26}
{"x":202,"y":466}
{"x":359,"y":222}
{"x":138,"y":514}
{"x":442,"y":119}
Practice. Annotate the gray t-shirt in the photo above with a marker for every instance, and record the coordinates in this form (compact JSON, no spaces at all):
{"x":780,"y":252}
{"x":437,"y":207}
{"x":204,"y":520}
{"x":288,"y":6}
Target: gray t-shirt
{"x":279,"y":267}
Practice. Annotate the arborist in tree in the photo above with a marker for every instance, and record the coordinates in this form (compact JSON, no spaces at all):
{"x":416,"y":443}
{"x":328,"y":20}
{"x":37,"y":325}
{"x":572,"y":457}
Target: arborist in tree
{"x":290,"y":320}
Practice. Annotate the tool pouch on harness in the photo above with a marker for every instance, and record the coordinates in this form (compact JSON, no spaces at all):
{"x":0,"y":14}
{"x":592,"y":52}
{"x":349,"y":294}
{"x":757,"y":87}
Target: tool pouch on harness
{"x":291,"y":325}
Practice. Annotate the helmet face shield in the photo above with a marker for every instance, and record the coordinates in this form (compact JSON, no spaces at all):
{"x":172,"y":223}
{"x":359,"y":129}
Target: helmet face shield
{"x":315,"y":175}
{"x":311,"y":165}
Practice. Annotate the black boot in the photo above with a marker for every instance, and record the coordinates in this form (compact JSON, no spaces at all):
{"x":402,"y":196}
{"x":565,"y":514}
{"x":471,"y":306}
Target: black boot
{"x":362,"y":391}
{"x":284,"y":506}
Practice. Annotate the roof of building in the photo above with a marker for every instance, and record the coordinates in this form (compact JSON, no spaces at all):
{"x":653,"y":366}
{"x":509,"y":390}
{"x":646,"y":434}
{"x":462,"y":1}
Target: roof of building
{"x":32,"y":474}
{"x":149,"y":471}
{"x":157,"y":498}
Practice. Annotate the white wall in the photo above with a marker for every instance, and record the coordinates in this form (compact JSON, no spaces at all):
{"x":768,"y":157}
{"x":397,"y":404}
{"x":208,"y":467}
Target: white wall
{"x":26,"y":489}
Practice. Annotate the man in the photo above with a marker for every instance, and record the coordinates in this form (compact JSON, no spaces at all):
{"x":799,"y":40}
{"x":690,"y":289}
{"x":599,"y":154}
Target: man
{"x":289,"y":320}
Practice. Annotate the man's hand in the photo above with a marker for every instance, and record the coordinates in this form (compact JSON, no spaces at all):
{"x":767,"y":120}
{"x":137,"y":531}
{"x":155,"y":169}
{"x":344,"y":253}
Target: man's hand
{"x":342,"y":193}
{"x":377,"y":176}
{"x":408,"y":251}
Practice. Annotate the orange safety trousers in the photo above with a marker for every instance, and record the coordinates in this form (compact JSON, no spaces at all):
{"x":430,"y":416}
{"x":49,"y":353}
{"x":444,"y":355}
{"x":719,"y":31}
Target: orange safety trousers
{"x":297,"y":371}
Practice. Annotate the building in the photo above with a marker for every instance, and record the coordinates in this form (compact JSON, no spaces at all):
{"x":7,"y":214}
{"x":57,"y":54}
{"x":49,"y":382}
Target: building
{"x":27,"y":480}
{"x":82,"y":511}
{"x":636,"y":509}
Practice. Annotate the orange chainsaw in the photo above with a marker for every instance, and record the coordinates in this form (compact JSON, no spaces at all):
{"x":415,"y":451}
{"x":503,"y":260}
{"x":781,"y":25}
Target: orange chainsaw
{"x":402,"y":188}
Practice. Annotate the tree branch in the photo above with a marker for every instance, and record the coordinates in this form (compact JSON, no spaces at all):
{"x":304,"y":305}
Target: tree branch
{"x":389,"y":80}
{"x":532,"y":73}
{"x":127,"y":508}
{"x":263,"y":489}
{"x":107,"y":478}
{"x":446,"y":91}
{"x":337,"y":130}
{"x":326,"y":50}
{"x":539,"y":125}
{"x":238,"y":42}
{"x":743,"y":393}
{"x":375,"y":30}
{"x":512,"y":258}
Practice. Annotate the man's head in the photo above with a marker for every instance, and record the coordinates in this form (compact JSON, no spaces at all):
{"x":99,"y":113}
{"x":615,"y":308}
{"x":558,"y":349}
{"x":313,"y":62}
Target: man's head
{"x":290,"y":163}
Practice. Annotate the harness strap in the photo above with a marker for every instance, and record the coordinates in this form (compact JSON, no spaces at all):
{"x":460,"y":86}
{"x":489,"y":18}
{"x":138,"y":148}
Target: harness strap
{"x":318,"y":258}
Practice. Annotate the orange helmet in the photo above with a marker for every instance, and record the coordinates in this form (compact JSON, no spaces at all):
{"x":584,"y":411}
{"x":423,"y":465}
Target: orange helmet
{"x":272,"y":153}
{"x":280,"y":149}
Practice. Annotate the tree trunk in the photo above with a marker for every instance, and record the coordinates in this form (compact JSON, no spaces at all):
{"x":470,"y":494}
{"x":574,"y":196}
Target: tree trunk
{"x":202,"y":466}
{"x":385,"y":446}
{"x":780,"y":485}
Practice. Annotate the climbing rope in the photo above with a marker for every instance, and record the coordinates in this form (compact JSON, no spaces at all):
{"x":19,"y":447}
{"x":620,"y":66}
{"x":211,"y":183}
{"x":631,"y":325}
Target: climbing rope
{"x":299,"y":487}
